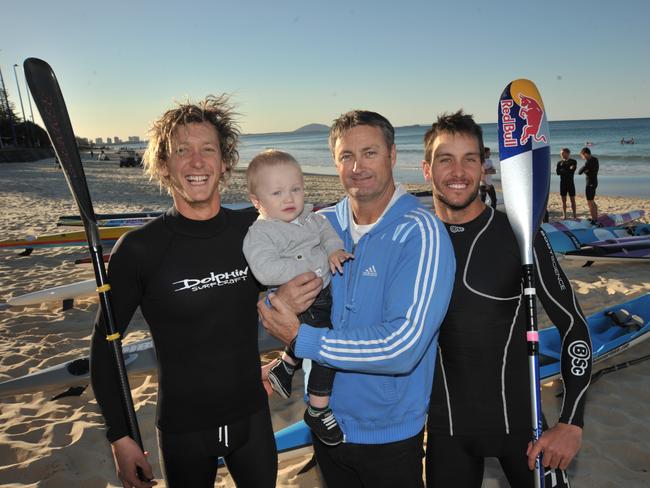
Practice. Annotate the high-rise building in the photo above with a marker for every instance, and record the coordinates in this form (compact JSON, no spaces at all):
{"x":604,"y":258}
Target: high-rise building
{"x":99,"y":140}
{"x":134,"y":138}
{"x":109,"y":140}
{"x":117,"y":140}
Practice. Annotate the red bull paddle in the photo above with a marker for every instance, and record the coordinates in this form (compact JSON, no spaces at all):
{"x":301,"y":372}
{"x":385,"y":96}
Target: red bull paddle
{"x":525,"y":156}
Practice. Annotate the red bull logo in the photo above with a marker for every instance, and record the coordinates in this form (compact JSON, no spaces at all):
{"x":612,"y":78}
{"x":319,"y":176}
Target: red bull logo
{"x":533,"y":114}
{"x":508,"y":123}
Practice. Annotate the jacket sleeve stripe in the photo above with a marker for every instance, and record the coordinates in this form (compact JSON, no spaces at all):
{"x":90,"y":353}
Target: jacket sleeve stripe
{"x":412,"y":327}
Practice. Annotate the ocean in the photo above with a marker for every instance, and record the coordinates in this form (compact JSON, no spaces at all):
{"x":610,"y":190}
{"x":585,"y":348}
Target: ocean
{"x":624,"y":168}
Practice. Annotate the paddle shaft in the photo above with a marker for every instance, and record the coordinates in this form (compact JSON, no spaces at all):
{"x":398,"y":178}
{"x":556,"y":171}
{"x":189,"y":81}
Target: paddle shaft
{"x":51,"y":105}
{"x":532,"y":341}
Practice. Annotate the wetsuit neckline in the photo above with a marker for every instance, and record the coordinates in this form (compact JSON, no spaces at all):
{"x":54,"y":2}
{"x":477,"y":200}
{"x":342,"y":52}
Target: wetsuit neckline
{"x":477,"y":222}
{"x":195,"y":228}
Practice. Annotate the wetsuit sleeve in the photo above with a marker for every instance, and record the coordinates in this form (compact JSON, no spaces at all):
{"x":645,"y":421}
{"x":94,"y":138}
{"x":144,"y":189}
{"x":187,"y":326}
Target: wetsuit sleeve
{"x":572,"y":166}
{"x":410,"y":319}
{"x":583,"y":169}
{"x":559,"y":301}
{"x":559,"y":169}
{"x":126,"y":293}
{"x":329,"y":239}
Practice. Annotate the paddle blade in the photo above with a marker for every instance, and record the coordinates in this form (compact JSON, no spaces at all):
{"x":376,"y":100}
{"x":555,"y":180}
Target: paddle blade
{"x":49,"y":100}
{"x":525,"y":155}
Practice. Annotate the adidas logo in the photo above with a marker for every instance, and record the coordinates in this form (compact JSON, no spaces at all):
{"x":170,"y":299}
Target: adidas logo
{"x":370,"y":271}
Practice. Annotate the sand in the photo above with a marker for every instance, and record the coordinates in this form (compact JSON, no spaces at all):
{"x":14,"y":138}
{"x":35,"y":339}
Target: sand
{"x":61,"y":443}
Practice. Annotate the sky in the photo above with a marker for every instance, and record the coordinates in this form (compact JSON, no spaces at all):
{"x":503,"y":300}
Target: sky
{"x":289,"y":63}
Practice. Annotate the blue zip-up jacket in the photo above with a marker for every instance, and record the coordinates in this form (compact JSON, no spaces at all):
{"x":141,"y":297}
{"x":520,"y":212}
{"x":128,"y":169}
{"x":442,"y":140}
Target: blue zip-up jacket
{"x":387,"y":308}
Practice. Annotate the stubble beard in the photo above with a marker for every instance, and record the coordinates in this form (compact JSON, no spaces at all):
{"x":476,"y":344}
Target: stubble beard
{"x":455,"y":206}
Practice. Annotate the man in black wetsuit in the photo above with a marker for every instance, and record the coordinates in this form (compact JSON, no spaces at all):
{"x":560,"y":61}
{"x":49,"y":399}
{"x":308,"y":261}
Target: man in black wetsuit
{"x":566,"y":167}
{"x":187,"y":272}
{"x":590,"y":170}
{"x":480,"y":403}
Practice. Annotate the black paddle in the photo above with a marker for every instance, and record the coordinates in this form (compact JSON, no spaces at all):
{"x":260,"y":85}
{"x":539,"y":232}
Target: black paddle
{"x":49,"y":100}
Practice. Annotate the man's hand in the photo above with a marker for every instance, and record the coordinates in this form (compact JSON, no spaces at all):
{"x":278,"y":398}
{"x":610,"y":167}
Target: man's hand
{"x":279,"y":320}
{"x":128,"y":456}
{"x":299,"y":293}
{"x":559,"y":446}
{"x":337,"y":258}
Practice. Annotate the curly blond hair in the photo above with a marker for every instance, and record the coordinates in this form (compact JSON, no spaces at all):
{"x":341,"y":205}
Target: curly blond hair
{"x":216,"y":110}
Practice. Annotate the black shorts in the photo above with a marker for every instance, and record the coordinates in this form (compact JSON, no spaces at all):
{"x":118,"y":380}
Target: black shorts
{"x":567,"y":188}
{"x":192,"y":459}
{"x":590,"y":191}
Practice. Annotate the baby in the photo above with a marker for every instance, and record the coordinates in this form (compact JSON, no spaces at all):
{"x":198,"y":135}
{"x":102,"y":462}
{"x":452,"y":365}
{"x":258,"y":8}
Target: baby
{"x":288,"y":239}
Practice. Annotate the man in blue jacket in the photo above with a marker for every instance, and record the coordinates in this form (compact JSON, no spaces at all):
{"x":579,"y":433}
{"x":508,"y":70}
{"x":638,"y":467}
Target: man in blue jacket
{"x":387,"y":307}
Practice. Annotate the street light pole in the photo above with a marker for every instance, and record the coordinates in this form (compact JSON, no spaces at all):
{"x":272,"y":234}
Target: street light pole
{"x":22,"y":108}
{"x":20,"y":97}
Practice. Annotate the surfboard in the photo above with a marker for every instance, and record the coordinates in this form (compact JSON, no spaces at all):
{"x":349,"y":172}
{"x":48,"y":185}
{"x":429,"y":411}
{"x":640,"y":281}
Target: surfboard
{"x":134,"y":222}
{"x":88,"y":260}
{"x":108,"y":236}
{"x":632,"y":242}
{"x":566,"y":241}
{"x":595,"y":254}
{"x":111,"y":216}
{"x":143,"y":215}
{"x":295,"y":436}
{"x":605,"y":220}
{"x":607,"y":337}
{"x":57,"y":293}
{"x":139,"y":357}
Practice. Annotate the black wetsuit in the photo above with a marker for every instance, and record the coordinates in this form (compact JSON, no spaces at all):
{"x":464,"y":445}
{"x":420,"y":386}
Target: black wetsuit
{"x":590,"y":169}
{"x":193,"y":285}
{"x":480,"y":403}
{"x":566,"y":169}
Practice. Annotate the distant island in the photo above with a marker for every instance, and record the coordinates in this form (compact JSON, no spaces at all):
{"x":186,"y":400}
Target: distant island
{"x":316,"y":129}
{"x":325,"y":128}
{"x":312,"y":128}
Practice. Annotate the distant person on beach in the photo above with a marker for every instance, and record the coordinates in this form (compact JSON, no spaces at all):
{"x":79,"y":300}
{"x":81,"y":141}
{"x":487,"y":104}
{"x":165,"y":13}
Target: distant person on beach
{"x":187,"y":273}
{"x":480,"y":400}
{"x":566,"y":168}
{"x":387,"y":307}
{"x":486,"y":180}
{"x":286,"y":240}
{"x":590,"y":170}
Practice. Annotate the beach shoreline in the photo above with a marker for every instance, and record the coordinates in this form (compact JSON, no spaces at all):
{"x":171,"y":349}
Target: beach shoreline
{"x":61,"y":443}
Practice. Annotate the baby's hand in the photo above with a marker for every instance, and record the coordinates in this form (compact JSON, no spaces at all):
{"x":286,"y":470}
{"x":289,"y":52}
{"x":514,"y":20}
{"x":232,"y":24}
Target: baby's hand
{"x":337,"y":258}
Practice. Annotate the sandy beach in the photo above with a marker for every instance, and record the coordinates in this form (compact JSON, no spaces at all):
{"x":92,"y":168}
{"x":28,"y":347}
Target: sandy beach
{"x":61,"y":443}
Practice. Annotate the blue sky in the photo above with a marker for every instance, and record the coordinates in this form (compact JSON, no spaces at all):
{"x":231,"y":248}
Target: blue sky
{"x":289,"y":63}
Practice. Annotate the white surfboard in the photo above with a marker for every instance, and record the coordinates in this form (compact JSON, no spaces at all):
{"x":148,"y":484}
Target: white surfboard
{"x":139,"y":357}
{"x":57,"y":293}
